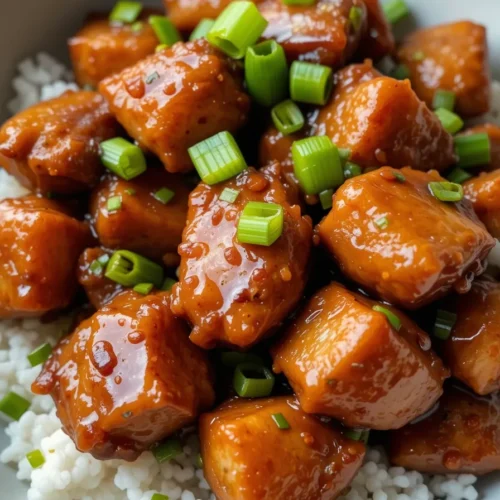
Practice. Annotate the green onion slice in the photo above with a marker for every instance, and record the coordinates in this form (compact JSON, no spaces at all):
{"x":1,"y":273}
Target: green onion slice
{"x":392,"y":318}
{"x":130,"y":191}
{"x":253,"y":381}
{"x":130,"y":269}
{"x":310,"y":83}
{"x":473,"y":149}
{"x":165,"y":30}
{"x":164,"y":195}
{"x":444,"y":99}
{"x":201,"y":30}
{"x":445,"y":321}
{"x":344,"y":154}
{"x":14,"y":406}
{"x":233,"y":358}
{"x":159,"y":496}
{"x":229,"y":195}
{"x":114,"y":203}
{"x":168,"y":284}
{"x":317,"y":164}
{"x":382,"y":222}
{"x":217,"y":158}
{"x":356,"y":18}
{"x":239,"y":25}
{"x":161,"y":47}
{"x":266,"y":73}
{"x":325,"y":198}
{"x":447,"y":191}
{"x":123,"y":158}
{"x":167,"y":450}
{"x":199,"y":461}
{"x":143,"y":288}
{"x":280,"y":421}
{"x":400,"y":72}
{"x":40,"y":354}
{"x":354,"y":434}
{"x":450,"y":121}
{"x":260,"y":223}
{"x":351,"y":170}
{"x":125,"y":12}
{"x":398,"y":176}
{"x":35,"y":458}
{"x":287,"y":117}
{"x":96,"y":267}
{"x":458,"y":175}
{"x":137,"y":26}
{"x":395,"y":10}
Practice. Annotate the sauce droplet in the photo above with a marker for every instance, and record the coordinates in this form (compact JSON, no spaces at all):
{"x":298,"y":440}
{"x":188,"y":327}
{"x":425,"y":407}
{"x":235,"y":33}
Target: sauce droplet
{"x":136,"y":337}
{"x":103,"y":357}
{"x":452,"y":460}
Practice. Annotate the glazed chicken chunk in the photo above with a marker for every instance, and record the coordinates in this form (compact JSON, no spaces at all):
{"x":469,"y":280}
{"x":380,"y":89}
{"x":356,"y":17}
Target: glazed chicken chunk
{"x":235,"y":293}
{"x":53,"y":146}
{"x":186,"y":14}
{"x":127,"y":377}
{"x":319,"y":33}
{"x":39,"y":248}
{"x":102,"y":48}
{"x":473,"y":349}
{"x":147,"y":222}
{"x":389,"y":233}
{"x":461,"y":436}
{"x":346,"y":360}
{"x":246,"y":456}
{"x":357,"y":118}
{"x":177,"y":98}
{"x":450,"y":57}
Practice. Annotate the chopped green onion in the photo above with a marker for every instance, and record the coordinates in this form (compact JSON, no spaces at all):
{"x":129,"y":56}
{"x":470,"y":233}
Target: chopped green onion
{"x":129,"y":269}
{"x":356,"y":18}
{"x":325,"y":197}
{"x":137,"y":26}
{"x":40,"y":354}
{"x":395,"y":10}
{"x":14,"y":406}
{"x":161,"y":47}
{"x":123,"y":158}
{"x":287,"y":117}
{"x":96,"y":267}
{"x":352,"y":170}
{"x":168,"y":284}
{"x":450,"y":121}
{"x":258,"y":384}
{"x":130,"y":191}
{"x":35,"y":458}
{"x":382,"y":223}
{"x":266,"y":73}
{"x":418,"y":56}
{"x":125,"y":12}
{"x":143,"y":288}
{"x":199,"y":461}
{"x":444,"y":99}
{"x":217,"y":158}
{"x":458,"y":175}
{"x":354,"y":434}
{"x":473,"y":149}
{"x":165,"y":30}
{"x":365,"y":436}
{"x":234,"y":358}
{"x":344,"y":154}
{"x":201,"y":30}
{"x":299,"y":2}
{"x":280,"y":421}
{"x":393,"y":319}
{"x":310,"y":83}
{"x":159,"y":496}
{"x":152,"y":77}
{"x":167,"y":450}
{"x":239,"y":25}
{"x":445,"y":321}
{"x":316,"y":164}
{"x":229,"y":195}
{"x":400,"y":72}
{"x":164,"y":195}
{"x":260,"y":223}
{"x":103,"y":259}
{"x":447,"y":191}
{"x":398,"y":176}
{"x":114,"y":203}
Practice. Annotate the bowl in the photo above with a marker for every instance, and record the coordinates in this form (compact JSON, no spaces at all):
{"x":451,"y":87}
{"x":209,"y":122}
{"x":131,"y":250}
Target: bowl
{"x":25,"y":30}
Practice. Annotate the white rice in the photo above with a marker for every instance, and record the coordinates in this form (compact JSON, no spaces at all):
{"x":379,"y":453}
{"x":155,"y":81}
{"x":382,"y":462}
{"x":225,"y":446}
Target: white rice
{"x":68,"y":474}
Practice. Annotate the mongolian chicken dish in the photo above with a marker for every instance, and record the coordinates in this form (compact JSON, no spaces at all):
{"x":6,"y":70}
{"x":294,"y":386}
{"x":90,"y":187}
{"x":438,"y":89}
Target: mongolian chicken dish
{"x":270,"y":224}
